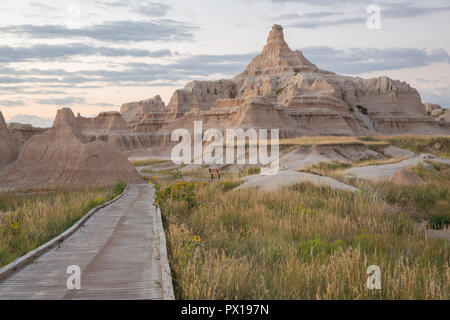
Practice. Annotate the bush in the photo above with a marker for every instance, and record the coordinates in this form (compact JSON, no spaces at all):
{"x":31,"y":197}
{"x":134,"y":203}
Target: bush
{"x":317,"y":247}
{"x":119,"y":187}
{"x":177,"y":175}
{"x":439,"y":222}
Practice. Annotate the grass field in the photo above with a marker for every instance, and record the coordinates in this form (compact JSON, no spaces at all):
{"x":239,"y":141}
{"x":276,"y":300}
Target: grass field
{"x":421,"y":144}
{"x":301,"y":242}
{"x":34,"y":219}
{"x":429,"y":202}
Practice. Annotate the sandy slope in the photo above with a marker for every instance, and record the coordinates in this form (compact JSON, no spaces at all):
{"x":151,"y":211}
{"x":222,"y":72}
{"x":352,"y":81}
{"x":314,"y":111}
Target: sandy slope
{"x":288,"y":177}
{"x":377,"y":172}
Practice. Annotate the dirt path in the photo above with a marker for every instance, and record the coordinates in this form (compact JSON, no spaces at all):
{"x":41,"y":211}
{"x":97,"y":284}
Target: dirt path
{"x":376,"y":172}
{"x":117,"y":251}
{"x":288,"y":177}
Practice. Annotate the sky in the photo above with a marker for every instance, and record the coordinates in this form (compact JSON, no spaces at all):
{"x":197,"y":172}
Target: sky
{"x":93,"y":56}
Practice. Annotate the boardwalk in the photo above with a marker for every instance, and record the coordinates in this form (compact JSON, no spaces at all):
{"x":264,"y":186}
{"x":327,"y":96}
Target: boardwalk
{"x":116,"y":250}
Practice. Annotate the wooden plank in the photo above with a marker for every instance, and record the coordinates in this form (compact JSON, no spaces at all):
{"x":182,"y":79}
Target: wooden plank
{"x":114,"y":249}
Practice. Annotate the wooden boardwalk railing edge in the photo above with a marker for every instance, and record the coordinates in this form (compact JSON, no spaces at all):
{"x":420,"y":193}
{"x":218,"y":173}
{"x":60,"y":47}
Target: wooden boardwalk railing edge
{"x":166,"y":277}
{"x":22,"y":261}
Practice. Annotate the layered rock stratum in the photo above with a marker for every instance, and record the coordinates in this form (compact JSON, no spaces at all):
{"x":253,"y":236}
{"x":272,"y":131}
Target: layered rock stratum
{"x":64,"y":156}
{"x":23,"y":132}
{"x":281,"y":89}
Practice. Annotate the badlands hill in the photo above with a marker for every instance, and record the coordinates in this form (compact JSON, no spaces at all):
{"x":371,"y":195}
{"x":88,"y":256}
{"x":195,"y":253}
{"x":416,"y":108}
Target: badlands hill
{"x":281,"y":89}
{"x":64,"y":156}
{"x":8,"y":144}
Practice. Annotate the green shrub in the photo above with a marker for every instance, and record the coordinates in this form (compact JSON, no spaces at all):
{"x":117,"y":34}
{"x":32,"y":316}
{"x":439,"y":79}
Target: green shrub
{"x":439,"y":222}
{"x":119,"y":187}
{"x":177,"y":175}
{"x":317,"y":247}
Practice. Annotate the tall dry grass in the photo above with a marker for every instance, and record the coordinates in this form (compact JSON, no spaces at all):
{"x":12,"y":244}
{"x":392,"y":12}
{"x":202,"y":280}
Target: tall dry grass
{"x":35,"y":219}
{"x":422,"y":144}
{"x":429,"y":202}
{"x":301,"y":242}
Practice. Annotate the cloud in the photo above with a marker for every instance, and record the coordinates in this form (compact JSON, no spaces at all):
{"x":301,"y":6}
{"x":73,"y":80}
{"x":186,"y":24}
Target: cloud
{"x":35,"y":121}
{"x":338,"y":17}
{"x":113,"y":31}
{"x":64,"y":51}
{"x":361,"y":60}
{"x":439,"y":96}
{"x":142,"y":7}
{"x":184,"y":68}
{"x":66,"y":101}
{"x":11,"y":103}
{"x":349,"y":61}
{"x":313,"y":2}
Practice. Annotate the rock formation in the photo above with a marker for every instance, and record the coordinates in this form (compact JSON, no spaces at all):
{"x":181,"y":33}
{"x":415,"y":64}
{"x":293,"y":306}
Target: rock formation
{"x":281,"y":89}
{"x":105,"y":123}
{"x":63,"y":156}
{"x":23,"y":132}
{"x":431,"y":107}
{"x":278,"y":58}
{"x":437,"y":112}
{"x":148,"y":115}
{"x":8,"y":144}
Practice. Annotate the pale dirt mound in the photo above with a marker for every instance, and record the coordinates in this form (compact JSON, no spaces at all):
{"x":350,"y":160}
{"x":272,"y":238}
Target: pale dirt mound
{"x":395,"y":152}
{"x":287,"y":177}
{"x":8,"y":144}
{"x":385,"y":171}
{"x":406,"y":177}
{"x":59,"y":157}
{"x":307,"y":156}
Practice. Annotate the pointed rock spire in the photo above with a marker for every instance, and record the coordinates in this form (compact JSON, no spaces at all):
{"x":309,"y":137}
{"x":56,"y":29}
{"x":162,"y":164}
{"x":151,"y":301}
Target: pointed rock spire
{"x":276,"y":36}
{"x":277,"y":57}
